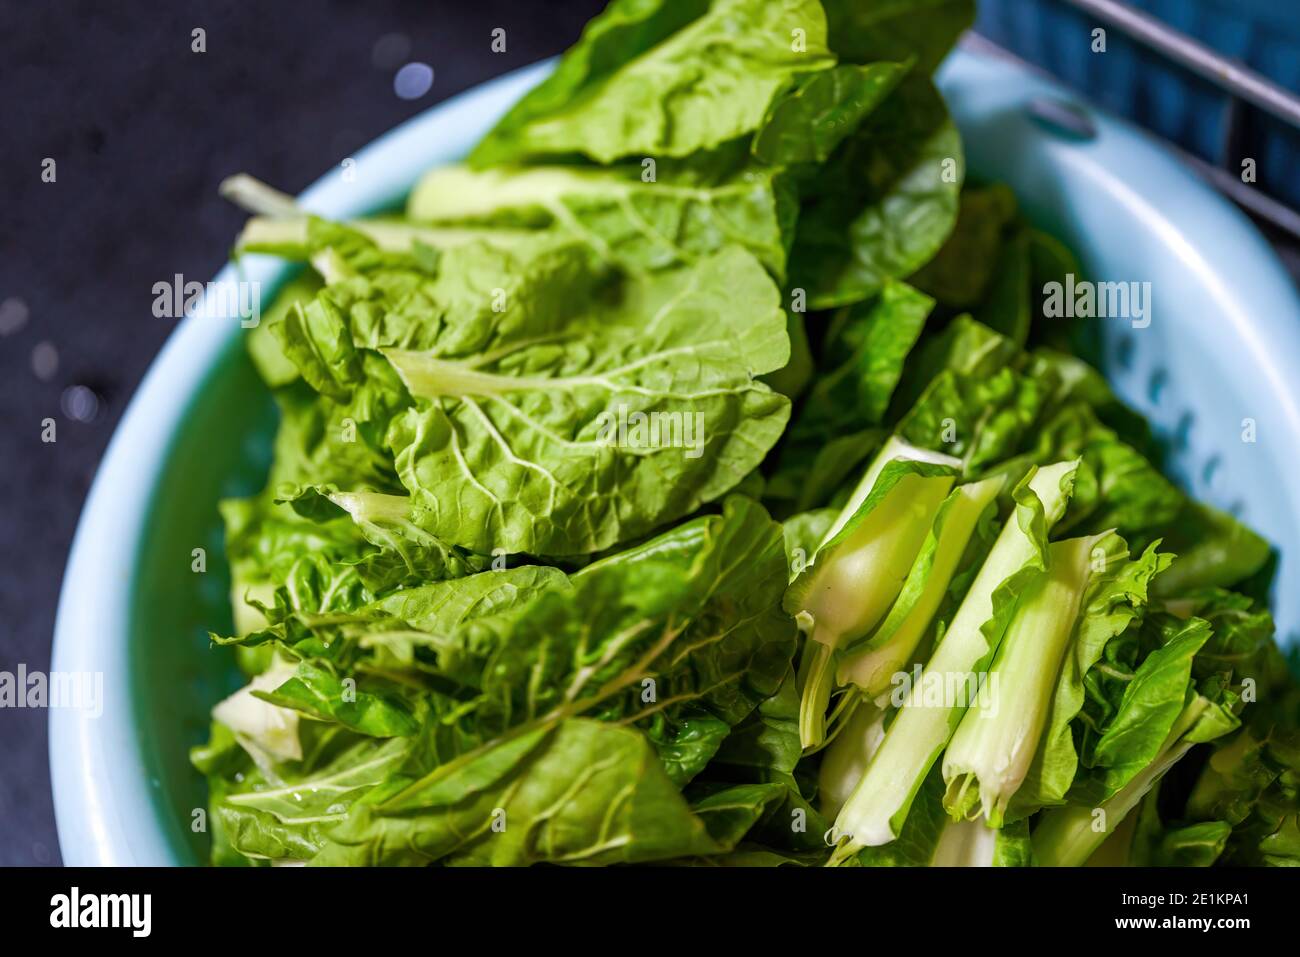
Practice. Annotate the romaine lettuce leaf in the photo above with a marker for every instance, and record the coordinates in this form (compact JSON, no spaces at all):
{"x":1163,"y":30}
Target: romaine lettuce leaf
{"x":884,"y":202}
{"x":571,"y":437}
{"x":576,"y":792}
{"x":675,"y":219}
{"x":710,"y":81}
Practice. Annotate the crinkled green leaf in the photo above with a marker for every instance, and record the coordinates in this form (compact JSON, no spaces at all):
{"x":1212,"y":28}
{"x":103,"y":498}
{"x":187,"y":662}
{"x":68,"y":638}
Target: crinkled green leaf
{"x":623,"y":31}
{"x":691,"y":617}
{"x":560,"y":449}
{"x":808,"y":122}
{"x":641,"y":219}
{"x":324,"y":695}
{"x":981,"y":419}
{"x":1213,"y":549}
{"x":709,"y":82}
{"x":960,"y":273}
{"x":873,"y":345}
{"x":580,"y":792}
{"x":884,"y":202}
{"x":686,"y":743}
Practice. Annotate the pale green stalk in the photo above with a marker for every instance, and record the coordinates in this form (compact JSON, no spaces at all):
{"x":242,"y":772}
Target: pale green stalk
{"x":892,"y":648}
{"x":848,"y":755}
{"x":965,"y":844}
{"x":991,"y":750}
{"x":850,"y":590}
{"x":875,"y":811}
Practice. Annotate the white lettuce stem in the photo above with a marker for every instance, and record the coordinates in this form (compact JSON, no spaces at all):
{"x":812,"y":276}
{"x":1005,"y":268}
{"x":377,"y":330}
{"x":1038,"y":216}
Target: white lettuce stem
{"x":878,"y":806}
{"x":373,"y":506}
{"x":848,"y":755}
{"x":995,"y":742}
{"x":893,"y":449}
{"x":851,"y":589}
{"x":965,"y":844}
{"x":279,"y":232}
{"x":873,"y":670}
{"x":254,"y":196}
{"x":455,"y":193}
{"x":851,"y":592}
{"x":816,"y":676}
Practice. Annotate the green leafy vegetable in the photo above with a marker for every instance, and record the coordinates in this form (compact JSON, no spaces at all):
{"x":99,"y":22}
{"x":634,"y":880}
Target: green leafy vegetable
{"x":860,"y":565}
{"x":879,"y":805}
{"x":512,"y":452}
{"x":710,"y":81}
{"x":863,"y":30}
{"x":691,"y":476}
{"x":676,"y":218}
{"x":883,"y":203}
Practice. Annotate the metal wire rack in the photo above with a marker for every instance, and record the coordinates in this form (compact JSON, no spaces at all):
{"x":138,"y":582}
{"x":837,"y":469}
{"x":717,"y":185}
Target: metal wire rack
{"x":1245,"y":90}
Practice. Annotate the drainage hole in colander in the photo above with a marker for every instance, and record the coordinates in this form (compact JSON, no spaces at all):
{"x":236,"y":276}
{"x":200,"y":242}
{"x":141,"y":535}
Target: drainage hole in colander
{"x":1124,"y":353}
{"x":1156,"y":384}
{"x":1210,"y":470}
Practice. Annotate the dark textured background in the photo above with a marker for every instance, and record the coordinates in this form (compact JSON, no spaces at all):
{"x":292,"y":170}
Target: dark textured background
{"x":143,"y":130}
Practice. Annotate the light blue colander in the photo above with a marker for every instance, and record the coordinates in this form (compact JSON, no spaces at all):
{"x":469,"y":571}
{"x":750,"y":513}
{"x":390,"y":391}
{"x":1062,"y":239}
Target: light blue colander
{"x":1224,"y":345}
